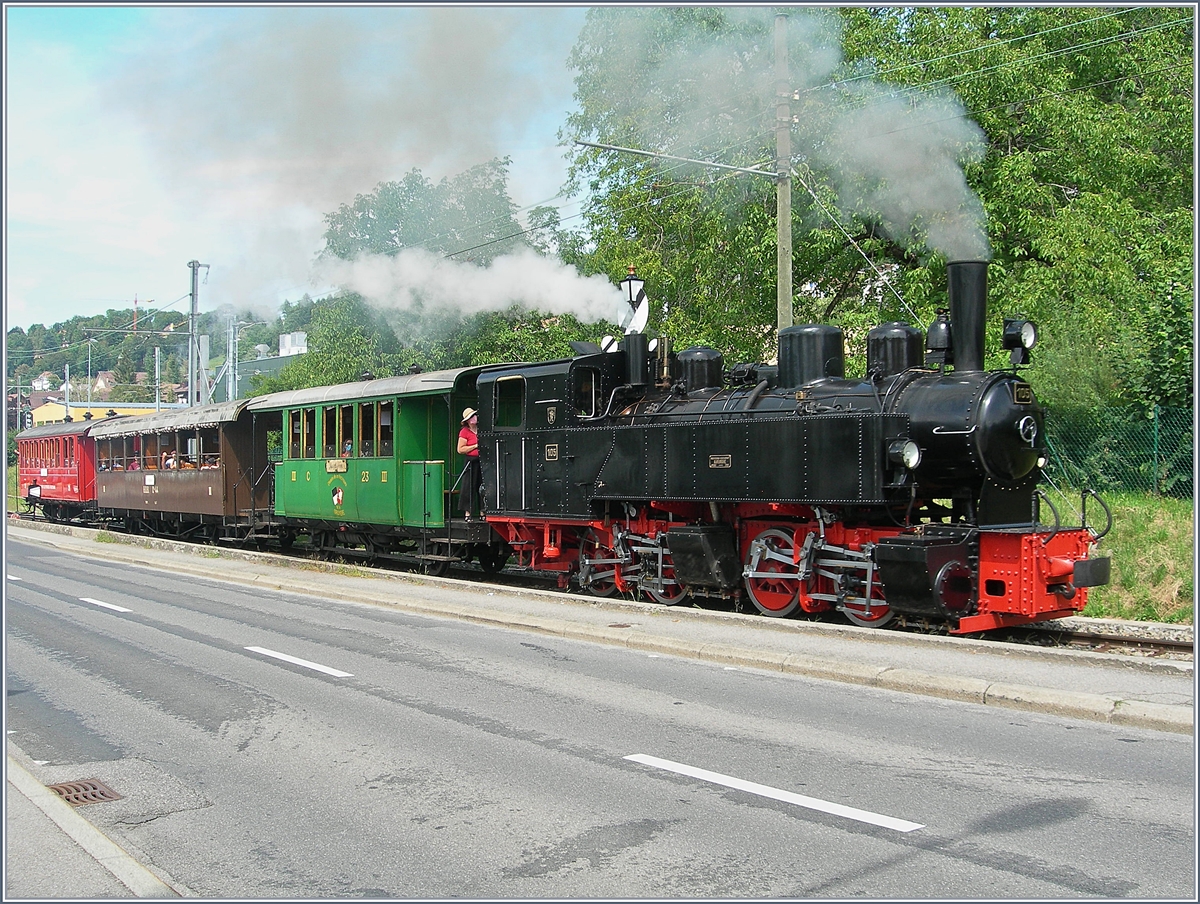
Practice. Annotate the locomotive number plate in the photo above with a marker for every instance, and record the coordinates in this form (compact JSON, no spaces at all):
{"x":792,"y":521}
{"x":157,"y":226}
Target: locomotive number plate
{"x":552,"y":452}
{"x":720,"y":461}
{"x":1023,"y":394}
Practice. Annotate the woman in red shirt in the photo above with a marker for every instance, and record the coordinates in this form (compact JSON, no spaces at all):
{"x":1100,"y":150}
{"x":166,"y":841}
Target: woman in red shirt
{"x":468,"y":445}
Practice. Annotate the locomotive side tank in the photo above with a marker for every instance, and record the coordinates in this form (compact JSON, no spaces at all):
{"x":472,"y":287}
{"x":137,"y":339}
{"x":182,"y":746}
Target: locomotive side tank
{"x":912,"y":489}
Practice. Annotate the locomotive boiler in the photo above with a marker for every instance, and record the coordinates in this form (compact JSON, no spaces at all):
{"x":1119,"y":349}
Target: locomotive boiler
{"x":911,"y":490}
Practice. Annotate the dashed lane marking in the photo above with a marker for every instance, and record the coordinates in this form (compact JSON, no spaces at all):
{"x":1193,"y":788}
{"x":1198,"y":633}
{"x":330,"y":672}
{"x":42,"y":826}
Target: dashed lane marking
{"x":316,"y":666}
{"x":88,"y":599}
{"x":811,"y":803}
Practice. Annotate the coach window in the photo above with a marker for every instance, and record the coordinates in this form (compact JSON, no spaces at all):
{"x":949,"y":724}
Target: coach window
{"x":587,"y":392}
{"x":509,"y":402}
{"x":294,"y":434}
{"x":310,"y":432}
{"x":346,"y":434}
{"x":385,"y":428}
{"x":329,"y":436}
{"x":150,"y":459}
{"x":189,"y":450}
{"x":209,"y":455}
{"x":366,"y":429}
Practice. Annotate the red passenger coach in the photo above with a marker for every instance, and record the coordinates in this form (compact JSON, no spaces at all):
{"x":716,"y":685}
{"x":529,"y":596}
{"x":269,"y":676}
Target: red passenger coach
{"x":56,"y":469}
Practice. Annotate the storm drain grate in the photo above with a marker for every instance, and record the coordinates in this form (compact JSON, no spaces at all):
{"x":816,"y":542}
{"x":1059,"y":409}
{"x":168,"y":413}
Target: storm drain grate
{"x":88,"y":791}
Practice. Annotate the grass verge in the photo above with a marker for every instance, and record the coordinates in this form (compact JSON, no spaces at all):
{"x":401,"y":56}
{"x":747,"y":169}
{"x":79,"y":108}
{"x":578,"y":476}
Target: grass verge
{"x":1151,"y":544}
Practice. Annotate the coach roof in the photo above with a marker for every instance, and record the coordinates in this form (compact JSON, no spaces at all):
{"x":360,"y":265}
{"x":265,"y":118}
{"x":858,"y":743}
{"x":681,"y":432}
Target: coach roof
{"x":176,"y":419}
{"x":70,"y":428}
{"x":434,"y":382}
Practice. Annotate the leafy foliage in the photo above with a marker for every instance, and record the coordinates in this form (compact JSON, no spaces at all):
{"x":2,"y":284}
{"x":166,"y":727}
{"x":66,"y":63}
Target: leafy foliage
{"x":470,"y":215}
{"x":1085,"y":179}
{"x":347,"y":339}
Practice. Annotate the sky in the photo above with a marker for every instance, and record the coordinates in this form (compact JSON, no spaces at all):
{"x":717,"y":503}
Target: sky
{"x":139,"y":138}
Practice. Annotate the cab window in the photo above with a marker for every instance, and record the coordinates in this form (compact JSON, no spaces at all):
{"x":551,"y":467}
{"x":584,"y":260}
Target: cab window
{"x":508,"y":402}
{"x":587,"y":392}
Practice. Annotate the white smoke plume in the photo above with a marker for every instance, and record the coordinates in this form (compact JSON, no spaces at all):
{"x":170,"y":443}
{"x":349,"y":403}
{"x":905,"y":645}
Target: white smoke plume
{"x":418,"y":277}
{"x":890,"y":154}
{"x":262,"y":120}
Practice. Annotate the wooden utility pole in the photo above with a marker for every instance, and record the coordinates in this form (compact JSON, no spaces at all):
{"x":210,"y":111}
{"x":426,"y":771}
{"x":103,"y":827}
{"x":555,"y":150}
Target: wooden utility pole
{"x":783,"y":185}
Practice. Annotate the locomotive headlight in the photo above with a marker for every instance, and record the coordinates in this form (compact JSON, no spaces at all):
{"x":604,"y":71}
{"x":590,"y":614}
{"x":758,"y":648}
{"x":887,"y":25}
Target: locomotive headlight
{"x":1020,"y":334}
{"x":904,"y":452}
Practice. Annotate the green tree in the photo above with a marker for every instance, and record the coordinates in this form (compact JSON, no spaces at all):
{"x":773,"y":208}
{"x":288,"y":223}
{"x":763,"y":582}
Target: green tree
{"x":346,"y":340}
{"x":471,"y":219}
{"x":1080,"y":164}
{"x":1087,"y":181}
{"x":125,"y":371}
{"x":470,"y":216}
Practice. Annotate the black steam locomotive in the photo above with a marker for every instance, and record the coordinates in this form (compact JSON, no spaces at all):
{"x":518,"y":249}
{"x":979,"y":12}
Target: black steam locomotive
{"x":910,"y":490}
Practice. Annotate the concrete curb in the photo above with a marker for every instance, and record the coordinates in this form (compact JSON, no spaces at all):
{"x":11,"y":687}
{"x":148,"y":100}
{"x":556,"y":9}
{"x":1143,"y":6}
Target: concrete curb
{"x":137,"y":878}
{"x":1093,"y":707}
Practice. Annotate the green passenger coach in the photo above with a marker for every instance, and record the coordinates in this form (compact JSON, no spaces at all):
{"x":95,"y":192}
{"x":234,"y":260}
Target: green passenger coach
{"x":375,"y":465}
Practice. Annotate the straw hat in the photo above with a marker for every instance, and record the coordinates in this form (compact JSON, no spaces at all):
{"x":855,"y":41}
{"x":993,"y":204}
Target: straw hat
{"x":468,"y":413}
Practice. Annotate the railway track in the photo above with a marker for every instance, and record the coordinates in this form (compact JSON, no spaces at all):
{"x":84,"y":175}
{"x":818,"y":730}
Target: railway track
{"x":1136,"y":639}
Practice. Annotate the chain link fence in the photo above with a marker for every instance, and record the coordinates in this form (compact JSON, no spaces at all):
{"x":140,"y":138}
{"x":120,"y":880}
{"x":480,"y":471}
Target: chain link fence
{"x":1122,"y":449}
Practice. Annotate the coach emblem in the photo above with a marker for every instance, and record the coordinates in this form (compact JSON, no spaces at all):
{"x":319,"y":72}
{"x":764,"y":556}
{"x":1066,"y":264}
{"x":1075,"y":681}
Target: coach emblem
{"x":551,"y":414}
{"x":720,"y":461}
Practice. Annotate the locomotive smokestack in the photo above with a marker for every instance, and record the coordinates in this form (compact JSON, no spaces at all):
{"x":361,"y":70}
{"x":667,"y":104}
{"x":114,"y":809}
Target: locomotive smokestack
{"x":967,"y":285}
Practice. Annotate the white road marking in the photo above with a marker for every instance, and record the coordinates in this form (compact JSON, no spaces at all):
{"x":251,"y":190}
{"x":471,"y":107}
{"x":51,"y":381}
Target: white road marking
{"x":13,"y":577}
{"x":304,"y":662}
{"x":811,"y":803}
{"x":88,"y":599}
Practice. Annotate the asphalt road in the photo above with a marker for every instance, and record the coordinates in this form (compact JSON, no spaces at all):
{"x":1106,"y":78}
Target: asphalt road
{"x":415,"y":756}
